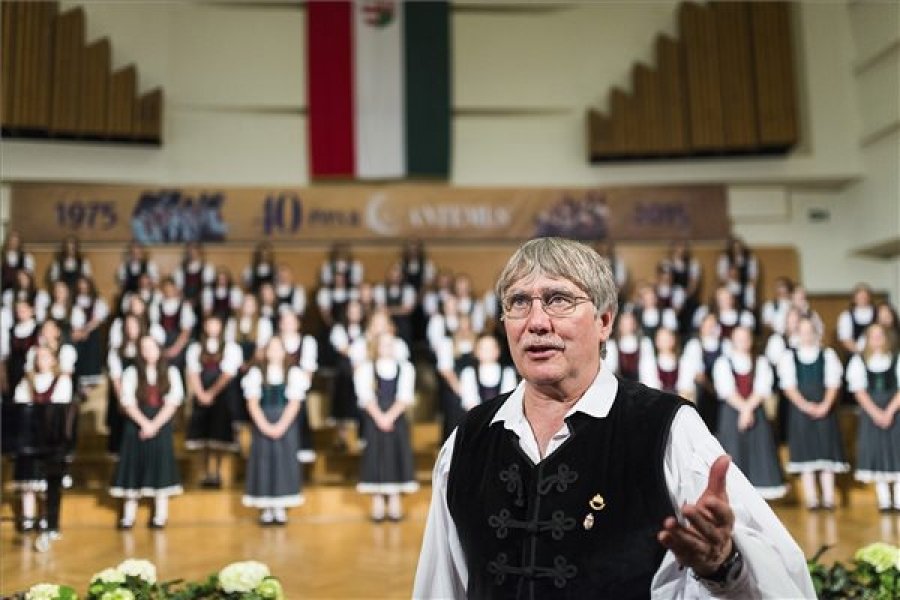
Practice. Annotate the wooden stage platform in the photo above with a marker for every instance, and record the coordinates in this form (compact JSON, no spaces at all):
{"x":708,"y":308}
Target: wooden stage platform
{"x":328,"y":550}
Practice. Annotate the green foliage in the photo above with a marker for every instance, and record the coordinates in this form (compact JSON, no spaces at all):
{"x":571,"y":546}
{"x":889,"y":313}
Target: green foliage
{"x":859,"y":580}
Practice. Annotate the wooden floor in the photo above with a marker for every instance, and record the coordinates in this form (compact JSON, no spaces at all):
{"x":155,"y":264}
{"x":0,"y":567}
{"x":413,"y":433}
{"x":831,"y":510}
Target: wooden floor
{"x":328,"y":550}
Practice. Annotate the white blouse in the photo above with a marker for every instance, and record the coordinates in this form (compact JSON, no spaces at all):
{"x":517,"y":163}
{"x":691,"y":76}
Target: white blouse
{"x":364,"y":380}
{"x":62,"y":393}
{"x":723,"y":377}
{"x":296,"y":388}
{"x":175,"y":395}
{"x":232,"y":357}
{"x":489,"y":374}
{"x":857,"y":375}
{"x":787,"y":370}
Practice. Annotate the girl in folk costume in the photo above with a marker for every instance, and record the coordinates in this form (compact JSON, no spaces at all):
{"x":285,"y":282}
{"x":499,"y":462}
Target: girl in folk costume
{"x":800,"y":301}
{"x":738,"y":271}
{"x":251,"y":333}
{"x":69,"y":264}
{"x":418,"y":271}
{"x":385,"y":388}
{"x":729,"y":316}
{"x":699,"y":357}
{"x":686,"y":272}
{"x":454,"y":353}
{"x":743,"y":381}
{"x":211,"y":364}
{"x":261,"y":268}
{"x":777,"y":346}
{"x":344,"y":410}
{"x":629,"y":354}
{"x":650,"y":315}
{"x":774,"y":311}
{"x":89,"y":313}
{"x":332,"y":299}
{"x":117,"y":361}
{"x":19,"y":335}
{"x":60,"y":307}
{"x":443,"y":324}
{"x":146,"y":290}
{"x":15,"y":259}
{"x":25,"y":289}
{"x":268,"y":303}
{"x":399,"y":299}
{"x":151,"y":393}
{"x":810,"y":377}
{"x":176,"y":317}
{"x":135,"y":264}
{"x":138,"y":308}
{"x":467,"y":303}
{"x":607,"y":249}
{"x":853,"y":321}
{"x":288,"y":294}
{"x":379,"y":322}
{"x":50,"y":335}
{"x":274,"y":391}
{"x":873,"y":377}
{"x":668,"y":373}
{"x":340,"y":261}
{"x":439,"y":290}
{"x":487,"y":378}
{"x":302,"y":351}
{"x":45,"y":384}
{"x":365,"y":294}
{"x":222,"y":298}
{"x":194,"y":275}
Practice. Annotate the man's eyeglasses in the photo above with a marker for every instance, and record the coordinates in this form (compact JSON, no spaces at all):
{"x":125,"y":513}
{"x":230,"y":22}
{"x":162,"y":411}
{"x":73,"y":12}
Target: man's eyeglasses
{"x":555,"y":304}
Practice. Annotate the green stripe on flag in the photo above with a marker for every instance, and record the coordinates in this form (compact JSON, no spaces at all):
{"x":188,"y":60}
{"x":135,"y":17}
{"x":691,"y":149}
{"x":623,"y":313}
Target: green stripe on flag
{"x":427,"y":39}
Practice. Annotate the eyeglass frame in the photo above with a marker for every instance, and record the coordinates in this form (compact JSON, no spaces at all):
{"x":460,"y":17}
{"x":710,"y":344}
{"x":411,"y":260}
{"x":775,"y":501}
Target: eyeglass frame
{"x":576,"y":301}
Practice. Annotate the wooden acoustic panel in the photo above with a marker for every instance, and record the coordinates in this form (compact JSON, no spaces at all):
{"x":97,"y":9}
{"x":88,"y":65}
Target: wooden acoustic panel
{"x":120,"y":117}
{"x":774,"y":73}
{"x":68,"y":62}
{"x":95,"y":91}
{"x":148,"y":117}
{"x":725,"y":86}
{"x":8,"y":64}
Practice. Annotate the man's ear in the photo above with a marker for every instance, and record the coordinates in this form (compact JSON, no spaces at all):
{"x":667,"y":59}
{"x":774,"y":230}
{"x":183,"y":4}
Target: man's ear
{"x":605,"y":322}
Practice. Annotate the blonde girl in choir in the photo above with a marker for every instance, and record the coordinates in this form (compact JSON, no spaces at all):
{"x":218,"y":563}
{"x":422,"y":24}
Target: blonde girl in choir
{"x":666,"y":371}
{"x":487,"y":378}
{"x":46,"y":383}
{"x":872,"y":377}
{"x":303,"y":351}
{"x":274,"y":389}
{"x":385,"y":388}
{"x":810,"y":377}
{"x":151,"y":393}
{"x":743,"y":382}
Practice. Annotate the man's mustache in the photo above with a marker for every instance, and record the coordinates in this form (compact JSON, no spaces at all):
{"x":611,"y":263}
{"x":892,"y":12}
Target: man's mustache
{"x":542,"y":344}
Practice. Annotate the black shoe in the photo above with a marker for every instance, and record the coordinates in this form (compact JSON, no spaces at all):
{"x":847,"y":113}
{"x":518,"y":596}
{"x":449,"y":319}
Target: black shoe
{"x":395,"y":518}
{"x":885,"y":510}
{"x":376,"y":519}
{"x":154,"y":524}
{"x":211,"y":483}
{"x":827,"y":507}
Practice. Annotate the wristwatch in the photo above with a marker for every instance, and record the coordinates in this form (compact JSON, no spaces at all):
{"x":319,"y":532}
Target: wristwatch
{"x":727,"y":572}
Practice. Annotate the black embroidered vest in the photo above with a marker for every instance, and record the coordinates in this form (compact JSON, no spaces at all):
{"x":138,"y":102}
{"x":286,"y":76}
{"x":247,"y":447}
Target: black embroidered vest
{"x":580,"y":524}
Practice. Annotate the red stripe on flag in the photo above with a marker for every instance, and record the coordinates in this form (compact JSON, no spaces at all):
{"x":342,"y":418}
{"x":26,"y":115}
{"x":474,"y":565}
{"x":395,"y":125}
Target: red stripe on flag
{"x":329,"y":84}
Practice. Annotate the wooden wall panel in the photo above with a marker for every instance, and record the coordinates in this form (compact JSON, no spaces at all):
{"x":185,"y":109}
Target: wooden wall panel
{"x":774,"y":73}
{"x":96,"y":89}
{"x":618,"y":103}
{"x":643,"y":100}
{"x":599,"y":134}
{"x":68,"y":63}
{"x":732,"y":21}
{"x":673,"y":101}
{"x":701,"y":63}
{"x":148,"y":124}
{"x":121,"y":113}
{"x":8,"y":11}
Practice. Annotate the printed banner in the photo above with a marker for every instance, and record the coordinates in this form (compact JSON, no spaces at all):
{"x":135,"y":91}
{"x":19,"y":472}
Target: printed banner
{"x":113,"y":213}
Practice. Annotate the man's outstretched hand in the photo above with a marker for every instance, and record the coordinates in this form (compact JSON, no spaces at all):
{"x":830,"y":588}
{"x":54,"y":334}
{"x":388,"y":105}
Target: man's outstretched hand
{"x":705,"y":542}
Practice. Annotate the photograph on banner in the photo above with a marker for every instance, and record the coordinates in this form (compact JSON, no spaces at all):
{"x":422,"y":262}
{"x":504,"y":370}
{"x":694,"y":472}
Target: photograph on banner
{"x":113,"y":213}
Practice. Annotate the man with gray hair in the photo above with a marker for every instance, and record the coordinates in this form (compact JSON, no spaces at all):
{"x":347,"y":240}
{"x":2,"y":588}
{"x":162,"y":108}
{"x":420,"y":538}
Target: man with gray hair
{"x":581,"y":485}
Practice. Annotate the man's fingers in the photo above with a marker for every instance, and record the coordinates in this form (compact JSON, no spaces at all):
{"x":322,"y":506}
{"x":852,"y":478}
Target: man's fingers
{"x":704,"y":525}
{"x":717,"y":472}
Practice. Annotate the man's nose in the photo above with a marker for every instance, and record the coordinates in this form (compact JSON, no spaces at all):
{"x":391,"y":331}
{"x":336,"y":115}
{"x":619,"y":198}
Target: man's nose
{"x":538,"y":319}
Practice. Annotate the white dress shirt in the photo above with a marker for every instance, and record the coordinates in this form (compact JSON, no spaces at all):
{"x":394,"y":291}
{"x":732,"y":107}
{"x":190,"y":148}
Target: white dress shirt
{"x":774,"y":566}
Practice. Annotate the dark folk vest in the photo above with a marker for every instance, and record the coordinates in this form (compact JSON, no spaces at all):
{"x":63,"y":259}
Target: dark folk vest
{"x":580,"y":524}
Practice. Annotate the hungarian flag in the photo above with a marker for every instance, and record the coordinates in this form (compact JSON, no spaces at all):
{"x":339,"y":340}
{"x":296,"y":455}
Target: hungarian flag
{"x":378,"y":85}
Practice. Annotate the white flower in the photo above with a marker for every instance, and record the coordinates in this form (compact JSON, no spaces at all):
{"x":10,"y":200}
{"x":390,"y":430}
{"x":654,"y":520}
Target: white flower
{"x":43,"y":591}
{"x":109,"y":576}
{"x":242,"y":577}
{"x":119,"y":594}
{"x":143,"y":569}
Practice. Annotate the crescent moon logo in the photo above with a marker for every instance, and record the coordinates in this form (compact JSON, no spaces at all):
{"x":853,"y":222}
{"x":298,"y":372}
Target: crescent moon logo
{"x":375,"y":219}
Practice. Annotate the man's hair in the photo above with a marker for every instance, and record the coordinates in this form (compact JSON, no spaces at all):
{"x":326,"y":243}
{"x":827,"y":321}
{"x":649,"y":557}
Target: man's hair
{"x":564,"y":259}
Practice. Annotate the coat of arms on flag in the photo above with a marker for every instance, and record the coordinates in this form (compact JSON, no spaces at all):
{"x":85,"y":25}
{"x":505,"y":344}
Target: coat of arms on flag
{"x":378,"y":83}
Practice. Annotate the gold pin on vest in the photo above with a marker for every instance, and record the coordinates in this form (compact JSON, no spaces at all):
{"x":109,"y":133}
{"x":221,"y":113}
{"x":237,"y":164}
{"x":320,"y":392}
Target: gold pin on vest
{"x":588,"y":521}
{"x":597,"y":502}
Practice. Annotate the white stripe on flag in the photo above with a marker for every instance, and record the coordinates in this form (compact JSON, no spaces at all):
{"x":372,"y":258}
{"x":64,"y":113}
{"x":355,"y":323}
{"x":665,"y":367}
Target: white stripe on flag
{"x":380,"y":92}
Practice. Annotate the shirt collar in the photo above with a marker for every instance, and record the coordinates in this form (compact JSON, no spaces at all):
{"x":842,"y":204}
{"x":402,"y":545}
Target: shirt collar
{"x":596,"y":401}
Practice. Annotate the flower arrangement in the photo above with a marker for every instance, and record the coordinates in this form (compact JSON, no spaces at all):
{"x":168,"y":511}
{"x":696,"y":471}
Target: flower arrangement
{"x":873,"y":575}
{"x":136,"y":579}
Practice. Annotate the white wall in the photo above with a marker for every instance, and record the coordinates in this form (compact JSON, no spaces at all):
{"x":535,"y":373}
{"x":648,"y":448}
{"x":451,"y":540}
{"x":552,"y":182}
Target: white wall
{"x":235,"y":112}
